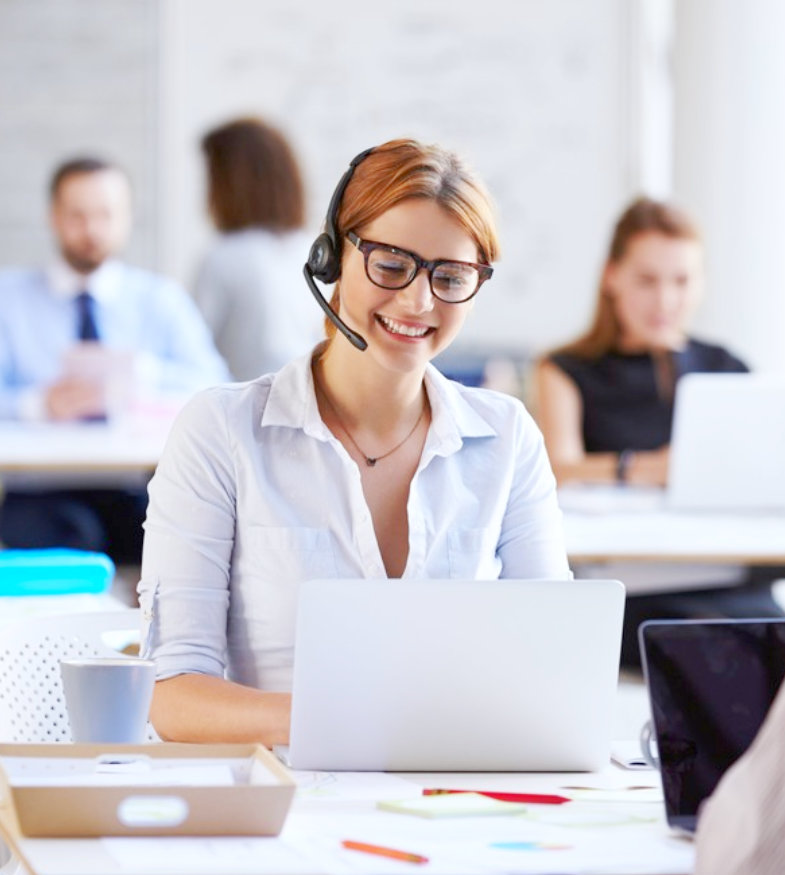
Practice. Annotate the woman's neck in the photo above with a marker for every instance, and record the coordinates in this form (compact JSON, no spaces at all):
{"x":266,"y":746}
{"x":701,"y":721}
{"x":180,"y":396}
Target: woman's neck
{"x":364,"y":393}
{"x":633,"y":346}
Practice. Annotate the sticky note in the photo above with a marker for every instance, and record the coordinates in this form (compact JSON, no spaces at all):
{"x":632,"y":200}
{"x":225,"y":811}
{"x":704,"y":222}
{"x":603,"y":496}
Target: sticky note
{"x":451,"y":805}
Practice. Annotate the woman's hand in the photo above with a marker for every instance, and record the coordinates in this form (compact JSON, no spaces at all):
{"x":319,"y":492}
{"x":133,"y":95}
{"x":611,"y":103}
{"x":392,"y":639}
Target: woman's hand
{"x":649,"y":467}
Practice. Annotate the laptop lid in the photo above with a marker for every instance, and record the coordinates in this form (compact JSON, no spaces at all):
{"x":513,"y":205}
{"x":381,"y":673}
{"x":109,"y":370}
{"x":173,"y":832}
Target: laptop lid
{"x":455,"y":675}
{"x":710,"y":685}
{"x":728,"y":440}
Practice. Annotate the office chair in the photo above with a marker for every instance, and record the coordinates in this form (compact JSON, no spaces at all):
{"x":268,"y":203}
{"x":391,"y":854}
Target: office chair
{"x":32,"y":705}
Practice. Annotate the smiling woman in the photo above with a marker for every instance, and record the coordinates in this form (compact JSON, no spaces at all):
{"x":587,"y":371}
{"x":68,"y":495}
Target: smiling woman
{"x":359,"y":460}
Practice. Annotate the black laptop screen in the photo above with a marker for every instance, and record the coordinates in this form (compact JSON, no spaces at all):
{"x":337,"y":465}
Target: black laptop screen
{"x":710,"y":685}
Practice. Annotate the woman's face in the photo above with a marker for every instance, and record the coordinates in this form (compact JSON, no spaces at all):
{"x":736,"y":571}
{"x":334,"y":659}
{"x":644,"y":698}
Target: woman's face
{"x":655,"y":287}
{"x":405,"y":329}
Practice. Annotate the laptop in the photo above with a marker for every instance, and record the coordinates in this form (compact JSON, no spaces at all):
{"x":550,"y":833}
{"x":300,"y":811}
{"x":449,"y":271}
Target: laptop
{"x":728,"y":443}
{"x":455,"y":675}
{"x":710,"y":685}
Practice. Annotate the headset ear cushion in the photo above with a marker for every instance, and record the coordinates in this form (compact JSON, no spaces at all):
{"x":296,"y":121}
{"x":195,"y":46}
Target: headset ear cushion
{"x":322,"y":260}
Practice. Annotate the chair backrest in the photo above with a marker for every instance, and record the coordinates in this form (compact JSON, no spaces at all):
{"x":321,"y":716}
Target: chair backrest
{"x":32,"y":705}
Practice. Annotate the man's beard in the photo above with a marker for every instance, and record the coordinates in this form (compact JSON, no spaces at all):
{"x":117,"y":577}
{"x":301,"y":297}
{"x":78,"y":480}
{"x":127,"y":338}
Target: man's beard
{"x":83,"y":263}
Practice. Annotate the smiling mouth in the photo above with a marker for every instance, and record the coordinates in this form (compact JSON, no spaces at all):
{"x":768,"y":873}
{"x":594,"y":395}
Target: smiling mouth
{"x":414,"y":331}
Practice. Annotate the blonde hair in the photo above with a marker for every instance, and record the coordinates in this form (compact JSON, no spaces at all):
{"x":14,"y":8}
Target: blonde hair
{"x":403,"y":169}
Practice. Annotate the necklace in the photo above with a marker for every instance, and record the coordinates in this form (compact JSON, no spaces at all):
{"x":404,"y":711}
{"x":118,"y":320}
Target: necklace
{"x":370,"y":461}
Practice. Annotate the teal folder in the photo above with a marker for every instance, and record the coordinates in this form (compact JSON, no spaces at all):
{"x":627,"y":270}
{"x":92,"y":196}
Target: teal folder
{"x":54,"y":572}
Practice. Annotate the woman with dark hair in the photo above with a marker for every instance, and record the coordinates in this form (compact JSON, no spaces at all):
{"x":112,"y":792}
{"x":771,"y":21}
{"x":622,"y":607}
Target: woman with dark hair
{"x":605,"y":401}
{"x":358,"y":459}
{"x":249,"y":284}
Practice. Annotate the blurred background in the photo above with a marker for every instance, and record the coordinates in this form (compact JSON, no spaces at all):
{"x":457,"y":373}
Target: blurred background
{"x":567,"y":108}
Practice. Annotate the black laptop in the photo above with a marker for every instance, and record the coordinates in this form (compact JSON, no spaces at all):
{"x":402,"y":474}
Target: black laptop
{"x":710,"y":683}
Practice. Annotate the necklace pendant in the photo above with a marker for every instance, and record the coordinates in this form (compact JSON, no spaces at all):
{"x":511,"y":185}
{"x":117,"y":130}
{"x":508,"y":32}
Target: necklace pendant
{"x":370,"y":462}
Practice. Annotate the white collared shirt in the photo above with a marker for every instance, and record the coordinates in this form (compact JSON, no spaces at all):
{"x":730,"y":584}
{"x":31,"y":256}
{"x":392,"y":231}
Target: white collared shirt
{"x":254,"y":495}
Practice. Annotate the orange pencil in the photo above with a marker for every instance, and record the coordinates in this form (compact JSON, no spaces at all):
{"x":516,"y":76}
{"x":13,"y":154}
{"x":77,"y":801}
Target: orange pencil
{"x":405,"y":856}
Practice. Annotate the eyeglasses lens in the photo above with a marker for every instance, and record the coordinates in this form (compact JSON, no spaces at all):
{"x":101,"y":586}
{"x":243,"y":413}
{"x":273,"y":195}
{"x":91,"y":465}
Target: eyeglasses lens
{"x":390,"y":270}
{"x":450,"y":281}
{"x":454,"y":282}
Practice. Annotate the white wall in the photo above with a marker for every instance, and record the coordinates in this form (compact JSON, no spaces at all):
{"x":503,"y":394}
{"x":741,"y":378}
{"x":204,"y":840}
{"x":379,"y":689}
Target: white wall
{"x":537,"y":95}
{"x":729,"y":154}
{"x":75,"y":77}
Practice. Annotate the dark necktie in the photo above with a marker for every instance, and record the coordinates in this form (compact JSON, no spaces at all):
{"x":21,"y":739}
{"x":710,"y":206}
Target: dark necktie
{"x":85,"y":309}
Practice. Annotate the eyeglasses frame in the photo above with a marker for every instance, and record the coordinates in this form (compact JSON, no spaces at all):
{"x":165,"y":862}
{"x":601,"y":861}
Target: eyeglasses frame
{"x":484,"y":271}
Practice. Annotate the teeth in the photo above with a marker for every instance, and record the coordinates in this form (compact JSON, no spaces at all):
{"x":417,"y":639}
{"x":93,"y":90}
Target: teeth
{"x":407,"y":330}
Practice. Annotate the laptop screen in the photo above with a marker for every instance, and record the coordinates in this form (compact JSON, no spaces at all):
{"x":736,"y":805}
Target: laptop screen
{"x":710,"y":686}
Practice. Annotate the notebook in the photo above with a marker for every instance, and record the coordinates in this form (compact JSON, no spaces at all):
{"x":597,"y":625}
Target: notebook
{"x":455,"y":675}
{"x":728,"y":443}
{"x":710,"y":685}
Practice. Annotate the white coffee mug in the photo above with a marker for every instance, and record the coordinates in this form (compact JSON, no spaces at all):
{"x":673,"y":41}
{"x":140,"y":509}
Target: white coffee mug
{"x":108,"y":698}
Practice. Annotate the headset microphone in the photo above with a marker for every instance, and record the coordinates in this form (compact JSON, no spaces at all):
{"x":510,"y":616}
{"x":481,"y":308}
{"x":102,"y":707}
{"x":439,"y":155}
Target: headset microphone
{"x":352,"y":336}
{"x":324,"y":258}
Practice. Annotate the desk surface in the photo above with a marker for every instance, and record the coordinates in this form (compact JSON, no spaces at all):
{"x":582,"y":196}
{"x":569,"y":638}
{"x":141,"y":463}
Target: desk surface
{"x":585,"y":835}
{"x":51,"y":447}
{"x":33,"y":455}
{"x":603,"y":525}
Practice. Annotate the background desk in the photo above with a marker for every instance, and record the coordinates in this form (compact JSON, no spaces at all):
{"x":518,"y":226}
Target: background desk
{"x":678,"y":537}
{"x":633,"y":536}
{"x":55,"y":454}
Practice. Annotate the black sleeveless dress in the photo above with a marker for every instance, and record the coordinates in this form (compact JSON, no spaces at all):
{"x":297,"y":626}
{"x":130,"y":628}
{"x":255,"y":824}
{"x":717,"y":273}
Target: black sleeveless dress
{"x":625,"y":405}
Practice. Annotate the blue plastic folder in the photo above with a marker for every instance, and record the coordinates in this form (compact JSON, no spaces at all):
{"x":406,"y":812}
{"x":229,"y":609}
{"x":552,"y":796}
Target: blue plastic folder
{"x":54,"y":572}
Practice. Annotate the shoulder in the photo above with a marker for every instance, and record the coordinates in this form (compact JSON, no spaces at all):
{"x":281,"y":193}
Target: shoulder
{"x":584,"y":374}
{"x":478,"y":412}
{"x":712,"y":357}
{"x":17,"y":279}
{"x":227,"y":403}
{"x":572,"y":365}
{"x":215,"y":422}
{"x":147,"y":281}
{"x":252,"y":243}
{"x":490,"y":403}
{"x":226,"y":246}
{"x":237,"y":253}
{"x":159,"y":297}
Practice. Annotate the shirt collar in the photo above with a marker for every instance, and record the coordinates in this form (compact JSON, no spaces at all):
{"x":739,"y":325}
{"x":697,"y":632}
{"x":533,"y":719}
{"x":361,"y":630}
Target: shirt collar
{"x":292,"y":403}
{"x":103,"y":283}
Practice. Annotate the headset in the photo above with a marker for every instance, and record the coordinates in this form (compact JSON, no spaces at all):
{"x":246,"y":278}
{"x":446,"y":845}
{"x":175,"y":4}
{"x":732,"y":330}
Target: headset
{"x":324,"y":258}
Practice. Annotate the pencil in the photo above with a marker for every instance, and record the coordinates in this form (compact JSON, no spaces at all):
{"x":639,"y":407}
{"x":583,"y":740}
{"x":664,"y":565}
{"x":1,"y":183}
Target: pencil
{"x":537,"y":798}
{"x":405,"y":856}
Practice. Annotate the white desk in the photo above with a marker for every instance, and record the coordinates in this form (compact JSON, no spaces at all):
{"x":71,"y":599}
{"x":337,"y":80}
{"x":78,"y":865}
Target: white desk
{"x":581,"y":836}
{"x":605,"y":524}
{"x":80,"y":453}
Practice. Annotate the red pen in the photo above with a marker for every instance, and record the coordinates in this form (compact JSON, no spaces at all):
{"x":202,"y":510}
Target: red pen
{"x":405,"y":856}
{"x":536,"y":798}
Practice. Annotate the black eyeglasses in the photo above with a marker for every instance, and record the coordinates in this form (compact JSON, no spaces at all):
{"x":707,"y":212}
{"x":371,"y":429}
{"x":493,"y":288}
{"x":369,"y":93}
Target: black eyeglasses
{"x":393,"y":269}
